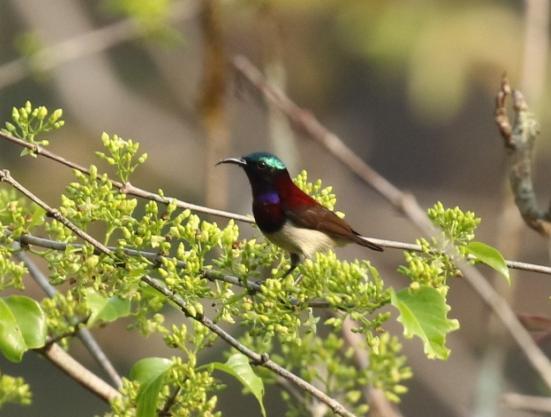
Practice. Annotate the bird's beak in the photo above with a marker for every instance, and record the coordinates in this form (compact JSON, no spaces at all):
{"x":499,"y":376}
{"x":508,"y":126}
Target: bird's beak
{"x":236,"y":161}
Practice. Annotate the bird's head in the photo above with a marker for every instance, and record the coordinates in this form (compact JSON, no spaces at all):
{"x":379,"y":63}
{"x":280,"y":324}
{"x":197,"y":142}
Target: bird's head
{"x":261,"y":167}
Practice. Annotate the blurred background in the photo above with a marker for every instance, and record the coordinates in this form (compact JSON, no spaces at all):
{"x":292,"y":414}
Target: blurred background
{"x":409,"y":86}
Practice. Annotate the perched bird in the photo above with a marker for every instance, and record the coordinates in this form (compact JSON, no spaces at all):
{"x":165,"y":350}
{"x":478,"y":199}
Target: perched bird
{"x":289,"y":217}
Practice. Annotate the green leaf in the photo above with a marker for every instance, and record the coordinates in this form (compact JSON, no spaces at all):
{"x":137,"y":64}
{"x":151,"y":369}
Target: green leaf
{"x":22,"y":326}
{"x":104,"y":309}
{"x":490,"y":256}
{"x":150,"y":373}
{"x":12,"y":344}
{"x":30,"y":319}
{"x":423,"y":313}
{"x":239,"y":367}
{"x":147,"y":369}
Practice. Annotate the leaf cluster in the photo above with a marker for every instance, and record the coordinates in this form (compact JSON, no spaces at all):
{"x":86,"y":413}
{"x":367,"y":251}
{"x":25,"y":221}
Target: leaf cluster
{"x":28,"y":123}
{"x":14,"y":390}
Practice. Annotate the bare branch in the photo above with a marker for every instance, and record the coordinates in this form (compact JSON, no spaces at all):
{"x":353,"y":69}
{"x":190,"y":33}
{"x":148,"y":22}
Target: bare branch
{"x":83,"y":45}
{"x":211,"y":102}
{"x":256,"y":358}
{"x":305,"y":122}
{"x":536,"y":45}
{"x":79,"y":373}
{"x":527,"y":402}
{"x":519,"y":138}
{"x":83,"y":333}
{"x":292,"y":391}
{"x":406,"y":203}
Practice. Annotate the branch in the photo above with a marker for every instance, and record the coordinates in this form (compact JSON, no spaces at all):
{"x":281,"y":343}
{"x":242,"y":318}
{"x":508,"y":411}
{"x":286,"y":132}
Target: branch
{"x":130,"y":189}
{"x":79,"y":373}
{"x":249,"y":285}
{"x":151,"y":256}
{"x":88,"y":43}
{"x":256,"y":358}
{"x":406,"y":203}
{"x":84,"y":334}
{"x":536,"y":45}
{"x":125,"y":188}
{"x":527,"y":402}
{"x":211,"y":106}
{"x":165,"y":411}
{"x":519,"y":138}
{"x":292,"y":391}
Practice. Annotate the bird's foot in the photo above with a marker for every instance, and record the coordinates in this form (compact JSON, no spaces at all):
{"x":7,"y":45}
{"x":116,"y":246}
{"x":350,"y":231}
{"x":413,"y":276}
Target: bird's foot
{"x":298,"y":279}
{"x":295,"y":261}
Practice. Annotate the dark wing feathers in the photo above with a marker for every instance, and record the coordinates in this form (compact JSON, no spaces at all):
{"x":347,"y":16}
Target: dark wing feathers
{"x":320,"y":218}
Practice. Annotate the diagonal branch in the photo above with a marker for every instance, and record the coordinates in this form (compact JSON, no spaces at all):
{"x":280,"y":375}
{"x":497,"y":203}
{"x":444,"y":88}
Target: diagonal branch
{"x":257,"y":358}
{"x":305,"y":122}
{"x":527,"y":402}
{"x":83,"y":333}
{"x":55,"y":354}
{"x":126,"y":188}
{"x":88,"y":43}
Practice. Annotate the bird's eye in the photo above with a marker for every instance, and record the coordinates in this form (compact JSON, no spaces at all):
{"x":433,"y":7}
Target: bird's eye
{"x":262,"y":164}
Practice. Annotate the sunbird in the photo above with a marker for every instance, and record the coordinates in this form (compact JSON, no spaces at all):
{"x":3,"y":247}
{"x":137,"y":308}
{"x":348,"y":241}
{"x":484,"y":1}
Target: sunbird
{"x":287,"y":216}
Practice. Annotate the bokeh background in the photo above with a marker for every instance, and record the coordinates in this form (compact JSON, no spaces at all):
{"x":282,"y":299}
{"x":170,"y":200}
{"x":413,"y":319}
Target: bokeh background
{"x":408,"y":85}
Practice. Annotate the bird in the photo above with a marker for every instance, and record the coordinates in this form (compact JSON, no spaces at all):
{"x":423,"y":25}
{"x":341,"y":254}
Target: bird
{"x":287,"y":216}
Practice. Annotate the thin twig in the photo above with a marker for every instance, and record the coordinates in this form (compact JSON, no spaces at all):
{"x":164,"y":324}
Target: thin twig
{"x":406,"y":203}
{"x":79,"y":373}
{"x":76,"y":323}
{"x":88,"y":43}
{"x":257,"y":358}
{"x":84,"y":334}
{"x":126,"y":188}
{"x":148,"y":195}
{"x":5,"y":176}
{"x":292,"y":391}
{"x":165,"y":411}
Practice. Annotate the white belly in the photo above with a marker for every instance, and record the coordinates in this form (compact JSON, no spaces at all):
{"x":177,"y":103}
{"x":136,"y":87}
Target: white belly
{"x":301,"y":241}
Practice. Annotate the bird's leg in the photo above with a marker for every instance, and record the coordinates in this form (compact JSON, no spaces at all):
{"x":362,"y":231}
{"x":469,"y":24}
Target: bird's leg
{"x":295,"y":261}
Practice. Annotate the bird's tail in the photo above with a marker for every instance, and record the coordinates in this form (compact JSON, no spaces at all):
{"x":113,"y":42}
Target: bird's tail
{"x":363,"y":241}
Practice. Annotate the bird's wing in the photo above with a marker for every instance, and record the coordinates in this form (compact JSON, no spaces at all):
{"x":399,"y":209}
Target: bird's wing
{"x":320,"y":218}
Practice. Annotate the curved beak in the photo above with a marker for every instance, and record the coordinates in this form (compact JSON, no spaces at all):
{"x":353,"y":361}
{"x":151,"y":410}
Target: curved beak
{"x":236,"y":161}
